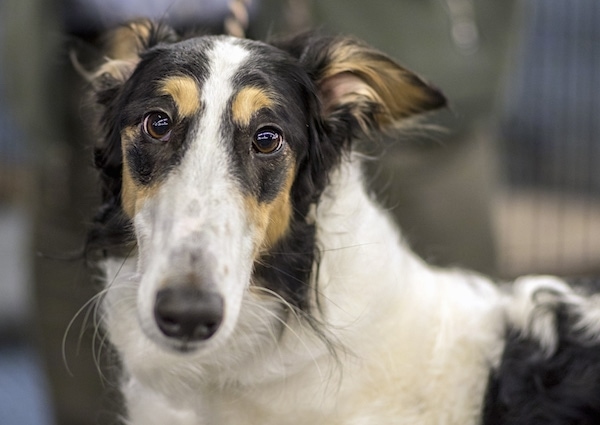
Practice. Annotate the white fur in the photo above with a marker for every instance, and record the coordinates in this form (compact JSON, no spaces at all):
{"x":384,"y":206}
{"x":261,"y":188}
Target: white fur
{"x":414,"y":344}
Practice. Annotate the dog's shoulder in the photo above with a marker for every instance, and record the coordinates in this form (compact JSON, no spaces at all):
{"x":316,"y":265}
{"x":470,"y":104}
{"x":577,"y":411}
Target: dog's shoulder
{"x":549,"y":372}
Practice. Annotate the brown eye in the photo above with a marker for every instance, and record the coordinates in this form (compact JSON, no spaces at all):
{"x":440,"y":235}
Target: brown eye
{"x":157,"y":125}
{"x":267,"y":140}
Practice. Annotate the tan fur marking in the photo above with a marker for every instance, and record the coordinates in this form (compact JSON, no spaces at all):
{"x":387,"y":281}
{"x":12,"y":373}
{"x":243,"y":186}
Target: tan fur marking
{"x":122,"y":47}
{"x":356,"y":72}
{"x":126,"y":42}
{"x":133,"y":195}
{"x":272,"y":219}
{"x":184,"y":91}
{"x":248,"y":102}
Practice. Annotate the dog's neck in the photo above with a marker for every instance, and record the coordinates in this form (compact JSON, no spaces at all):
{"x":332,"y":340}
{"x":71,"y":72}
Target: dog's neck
{"x":360,"y":243}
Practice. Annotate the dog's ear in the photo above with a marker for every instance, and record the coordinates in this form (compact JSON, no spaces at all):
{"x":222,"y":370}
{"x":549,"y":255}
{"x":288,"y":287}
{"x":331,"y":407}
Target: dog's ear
{"x":360,"y":87}
{"x":122,"y":49}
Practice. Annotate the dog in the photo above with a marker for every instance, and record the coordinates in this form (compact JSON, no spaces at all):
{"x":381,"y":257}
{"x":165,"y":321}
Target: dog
{"x":250,"y":277}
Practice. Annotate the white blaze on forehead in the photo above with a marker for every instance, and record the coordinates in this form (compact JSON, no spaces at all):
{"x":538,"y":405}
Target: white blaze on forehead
{"x":225,"y":59}
{"x":208,"y":153}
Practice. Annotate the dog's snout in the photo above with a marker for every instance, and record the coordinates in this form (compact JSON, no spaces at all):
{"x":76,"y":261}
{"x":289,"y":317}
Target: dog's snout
{"x":188,"y":313}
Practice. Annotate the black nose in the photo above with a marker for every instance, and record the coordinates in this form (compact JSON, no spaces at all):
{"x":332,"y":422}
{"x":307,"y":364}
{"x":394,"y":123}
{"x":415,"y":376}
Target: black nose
{"x":188,"y":313}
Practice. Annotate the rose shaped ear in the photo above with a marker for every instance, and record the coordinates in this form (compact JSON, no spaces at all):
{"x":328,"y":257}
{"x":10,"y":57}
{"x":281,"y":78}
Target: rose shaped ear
{"x":360,"y":86}
{"x":371,"y":87}
{"x":122,"y":48}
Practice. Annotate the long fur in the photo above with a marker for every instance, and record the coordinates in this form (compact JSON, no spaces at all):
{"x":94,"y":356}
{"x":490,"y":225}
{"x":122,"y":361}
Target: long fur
{"x":251,"y":282}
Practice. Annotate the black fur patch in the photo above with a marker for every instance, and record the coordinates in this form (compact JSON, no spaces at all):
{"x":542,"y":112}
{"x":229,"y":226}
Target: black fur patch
{"x":532,"y":387}
{"x":151,"y":160}
{"x":295,"y":111}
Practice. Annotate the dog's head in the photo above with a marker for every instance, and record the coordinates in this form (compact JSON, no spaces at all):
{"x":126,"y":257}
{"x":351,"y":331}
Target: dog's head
{"x":213,"y":150}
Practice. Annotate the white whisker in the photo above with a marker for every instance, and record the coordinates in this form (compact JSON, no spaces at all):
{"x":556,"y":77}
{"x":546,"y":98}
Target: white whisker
{"x":290,"y":308}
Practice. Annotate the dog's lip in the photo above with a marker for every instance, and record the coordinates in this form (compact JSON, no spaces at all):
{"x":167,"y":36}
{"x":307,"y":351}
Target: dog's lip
{"x":186,"y":347}
{"x":178,"y":346}
{"x":170,"y":345}
{"x":181,"y":346}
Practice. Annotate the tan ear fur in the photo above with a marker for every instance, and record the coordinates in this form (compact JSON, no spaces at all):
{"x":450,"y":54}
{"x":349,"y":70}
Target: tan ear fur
{"x":122,"y":48}
{"x":128,"y":41}
{"x":360,"y":78}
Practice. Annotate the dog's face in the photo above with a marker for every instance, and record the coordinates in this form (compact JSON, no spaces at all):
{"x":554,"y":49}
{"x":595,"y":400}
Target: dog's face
{"x":214,"y":150}
{"x":211,"y":138}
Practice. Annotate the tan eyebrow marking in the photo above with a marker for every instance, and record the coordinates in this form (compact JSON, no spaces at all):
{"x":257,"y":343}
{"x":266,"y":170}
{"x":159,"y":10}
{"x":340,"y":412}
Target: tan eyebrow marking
{"x":185,"y":92}
{"x":248,"y":101}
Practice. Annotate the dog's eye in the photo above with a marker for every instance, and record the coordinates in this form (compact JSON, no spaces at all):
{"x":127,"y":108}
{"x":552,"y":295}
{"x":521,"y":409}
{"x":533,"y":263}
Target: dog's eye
{"x":157,"y":125}
{"x":267,"y":140}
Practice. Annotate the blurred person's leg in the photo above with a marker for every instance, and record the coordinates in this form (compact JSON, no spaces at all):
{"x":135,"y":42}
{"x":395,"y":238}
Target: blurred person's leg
{"x":39,"y":87}
{"x":24,"y":396}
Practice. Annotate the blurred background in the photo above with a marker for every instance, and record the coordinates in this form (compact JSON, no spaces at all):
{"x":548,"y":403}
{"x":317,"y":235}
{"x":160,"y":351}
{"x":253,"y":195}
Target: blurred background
{"x":511,"y":186}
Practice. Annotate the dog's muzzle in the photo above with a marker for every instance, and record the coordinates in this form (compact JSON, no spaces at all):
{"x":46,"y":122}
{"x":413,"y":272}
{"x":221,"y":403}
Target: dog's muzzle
{"x":195,"y":263}
{"x":188,"y":313}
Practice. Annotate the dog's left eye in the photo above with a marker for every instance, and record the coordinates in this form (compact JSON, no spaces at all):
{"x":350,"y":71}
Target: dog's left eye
{"x":157,"y":125}
{"x":267,"y":140}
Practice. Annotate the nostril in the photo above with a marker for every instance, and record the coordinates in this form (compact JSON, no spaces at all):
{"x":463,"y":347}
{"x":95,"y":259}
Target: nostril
{"x":170,"y":325}
{"x":188,"y":313}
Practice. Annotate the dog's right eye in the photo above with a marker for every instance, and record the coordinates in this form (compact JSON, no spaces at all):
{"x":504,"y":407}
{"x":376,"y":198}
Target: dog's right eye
{"x":157,"y":125}
{"x":267,"y":140}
